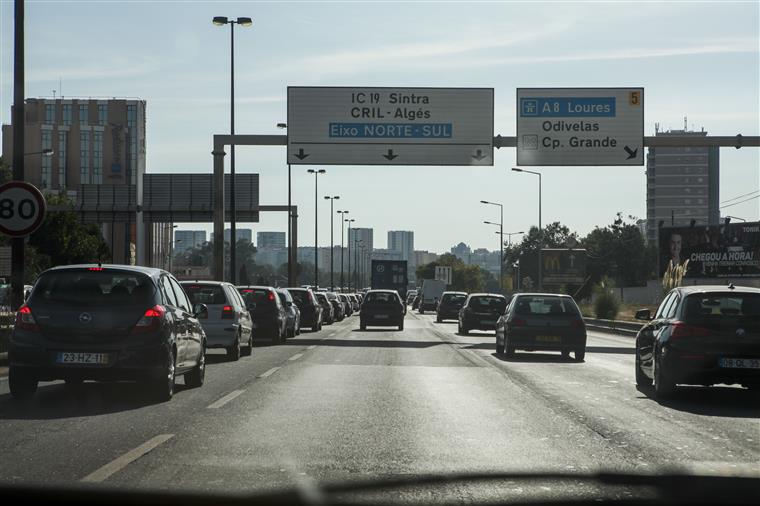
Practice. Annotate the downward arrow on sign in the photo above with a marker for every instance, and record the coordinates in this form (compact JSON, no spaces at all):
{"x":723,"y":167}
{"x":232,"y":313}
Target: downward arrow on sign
{"x":390,"y":155}
{"x":631,"y":153}
{"x":301,"y":155}
{"x":479,"y":155}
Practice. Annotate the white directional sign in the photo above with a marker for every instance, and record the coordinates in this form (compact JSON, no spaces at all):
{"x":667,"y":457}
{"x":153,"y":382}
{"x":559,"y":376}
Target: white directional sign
{"x":443,"y":273}
{"x":22,"y":208}
{"x":580,"y":126}
{"x":390,"y":126}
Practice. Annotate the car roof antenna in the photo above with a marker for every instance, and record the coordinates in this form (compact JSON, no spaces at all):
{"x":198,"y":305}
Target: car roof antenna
{"x":731,"y":286}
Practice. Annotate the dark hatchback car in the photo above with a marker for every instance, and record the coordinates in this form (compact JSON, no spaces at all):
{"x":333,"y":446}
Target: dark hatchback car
{"x":481,"y":311}
{"x":270,"y":319}
{"x":328,"y":312}
{"x":348,"y":308}
{"x":338,"y":308}
{"x":107,"y":323}
{"x":383,"y":308}
{"x":700,"y":335}
{"x":311,"y":309}
{"x":449,"y":306}
{"x":542,"y":322}
{"x":293,"y":327}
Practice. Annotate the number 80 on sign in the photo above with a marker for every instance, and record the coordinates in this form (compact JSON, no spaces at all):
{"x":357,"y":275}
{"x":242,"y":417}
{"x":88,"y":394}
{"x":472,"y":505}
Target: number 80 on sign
{"x":22,"y":208}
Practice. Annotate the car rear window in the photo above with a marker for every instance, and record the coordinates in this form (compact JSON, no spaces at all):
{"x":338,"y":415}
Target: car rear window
{"x":256,"y":295}
{"x":381,"y":298}
{"x":205,"y":294}
{"x":321,"y":297}
{"x":300,"y":296}
{"x":454,"y":298}
{"x":95,"y":287}
{"x":722,"y":305}
{"x":488,"y":303}
{"x":542,"y":305}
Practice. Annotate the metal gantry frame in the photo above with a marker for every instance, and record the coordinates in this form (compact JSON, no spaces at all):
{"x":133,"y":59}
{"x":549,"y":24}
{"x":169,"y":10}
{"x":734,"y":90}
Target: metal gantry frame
{"x":222,"y":140}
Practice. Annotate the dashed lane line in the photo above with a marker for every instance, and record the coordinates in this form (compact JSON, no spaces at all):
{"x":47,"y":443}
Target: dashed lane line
{"x":224,"y":400}
{"x":120,"y":463}
{"x":270,"y":372}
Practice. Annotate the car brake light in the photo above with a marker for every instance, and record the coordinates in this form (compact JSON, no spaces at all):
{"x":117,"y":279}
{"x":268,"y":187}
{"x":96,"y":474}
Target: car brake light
{"x":681,"y":329}
{"x":151,"y":319}
{"x":227,"y":313}
{"x":519,"y":322}
{"x":95,"y":269}
{"x":25,"y":319}
{"x":271,"y":296}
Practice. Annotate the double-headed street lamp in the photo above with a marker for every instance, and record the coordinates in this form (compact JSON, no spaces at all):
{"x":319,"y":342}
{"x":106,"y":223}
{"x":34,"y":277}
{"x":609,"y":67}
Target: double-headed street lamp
{"x":332,"y":247}
{"x":316,"y":223}
{"x":509,"y":235}
{"x":540,"y":231}
{"x":349,"y":221}
{"x":221,"y":21}
{"x":501,"y":245}
{"x":343,"y":219}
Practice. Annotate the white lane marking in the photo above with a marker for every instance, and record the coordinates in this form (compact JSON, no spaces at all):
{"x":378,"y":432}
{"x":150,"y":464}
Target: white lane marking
{"x":269,"y":372}
{"x":296,"y":356}
{"x":311,"y":347}
{"x":224,"y":400}
{"x":120,"y":463}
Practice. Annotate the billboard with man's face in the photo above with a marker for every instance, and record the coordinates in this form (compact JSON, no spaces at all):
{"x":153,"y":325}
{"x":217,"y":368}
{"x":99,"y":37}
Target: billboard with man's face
{"x":714,"y":251}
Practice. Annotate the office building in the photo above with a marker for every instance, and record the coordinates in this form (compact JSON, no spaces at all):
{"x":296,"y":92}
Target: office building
{"x":402,"y":241}
{"x":423,"y":257}
{"x":270,"y":240}
{"x":188,"y":239}
{"x":243,"y":234}
{"x":386,"y":254}
{"x":462,"y":251}
{"x":683,"y":184}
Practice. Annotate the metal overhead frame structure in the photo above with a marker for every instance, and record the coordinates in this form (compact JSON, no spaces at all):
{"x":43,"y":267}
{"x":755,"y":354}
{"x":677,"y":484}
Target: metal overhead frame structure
{"x":220,"y":141}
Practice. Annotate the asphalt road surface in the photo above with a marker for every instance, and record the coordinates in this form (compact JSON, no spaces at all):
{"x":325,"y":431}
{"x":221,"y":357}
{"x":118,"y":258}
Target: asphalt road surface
{"x":342,"y":405}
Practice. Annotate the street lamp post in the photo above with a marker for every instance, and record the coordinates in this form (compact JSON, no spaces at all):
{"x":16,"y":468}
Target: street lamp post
{"x":362,"y":266}
{"x":342,"y":225}
{"x":332,"y":247}
{"x":501,"y":242}
{"x":358,"y":243}
{"x":291,"y":280}
{"x":508,"y":234}
{"x":316,"y":223}
{"x":349,"y":251}
{"x":540,"y":230}
{"x":221,"y":21}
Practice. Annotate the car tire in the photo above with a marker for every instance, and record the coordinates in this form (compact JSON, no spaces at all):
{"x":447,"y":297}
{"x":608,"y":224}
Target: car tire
{"x":498,"y":346}
{"x":509,"y":351}
{"x":664,"y":387}
{"x":197,"y":375}
{"x":580,"y":354}
{"x":401,"y":326}
{"x":438,"y":319}
{"x":566,"y":354}
{"x":22,"y":384}
{"x":642,"y":380}
{"x":362,"y":326}
{"x":422,"y":311}
{"x":164,"y":387}
{"x":248,"y":349}
{"x":233,"y":352}
{"x":464,"y":331}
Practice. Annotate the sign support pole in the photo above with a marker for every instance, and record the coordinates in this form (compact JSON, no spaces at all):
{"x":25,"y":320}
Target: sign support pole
{"x":17,"y":243}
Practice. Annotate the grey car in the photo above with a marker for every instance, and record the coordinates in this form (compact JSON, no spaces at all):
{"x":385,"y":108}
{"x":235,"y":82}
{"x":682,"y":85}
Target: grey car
{"x":228,"y":324}
{"x":293,"y":325}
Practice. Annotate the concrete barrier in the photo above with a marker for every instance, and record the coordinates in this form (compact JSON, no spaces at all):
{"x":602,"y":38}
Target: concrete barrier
{"x":619,"y":327}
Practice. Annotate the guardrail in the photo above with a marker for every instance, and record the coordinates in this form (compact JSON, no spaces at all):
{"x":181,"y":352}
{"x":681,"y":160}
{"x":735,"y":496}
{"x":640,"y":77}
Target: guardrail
{"x":623,"y":328}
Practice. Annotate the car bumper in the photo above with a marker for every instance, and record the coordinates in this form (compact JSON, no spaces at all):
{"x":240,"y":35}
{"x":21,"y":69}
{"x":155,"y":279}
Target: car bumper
{"x":126,"y":363}
{"x":380,"y":321}
{"x":448,"y":315}
{"x":221,"y":334}
{"x":704,"y":369}
{"x":480,"y":322}
{"x":546,"y":341}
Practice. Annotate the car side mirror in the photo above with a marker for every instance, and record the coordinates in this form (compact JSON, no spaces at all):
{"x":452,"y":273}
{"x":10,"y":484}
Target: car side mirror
{"x":643,"y":314}
{"x":289,"y":303}
{"x":200,"y":311}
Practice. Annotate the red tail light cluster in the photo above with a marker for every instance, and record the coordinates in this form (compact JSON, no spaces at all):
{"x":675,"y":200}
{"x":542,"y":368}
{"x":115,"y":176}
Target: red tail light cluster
{"x":25,"y":319}
{"x":227,"y":313}
{"x":151,"y":320}
{"x":519,"y":322}
{"x":680,"y":330}
{"x":270,"y":296}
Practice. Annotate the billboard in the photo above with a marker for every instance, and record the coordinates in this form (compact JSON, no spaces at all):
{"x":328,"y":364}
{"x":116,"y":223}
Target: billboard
{"x":561,"y":266}
{"x":713,"y":251}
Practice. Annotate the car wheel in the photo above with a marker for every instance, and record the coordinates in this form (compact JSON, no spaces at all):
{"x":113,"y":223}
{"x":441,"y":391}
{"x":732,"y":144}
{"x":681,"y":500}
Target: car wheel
{"x":464,"y":331}
{"x":401,"y":326}
{"x":22,"y":384}
{"x":642,"y":380}
{"x":422,"y":311}
{"x":165,"y":386}
{"x":438,"y":319}
{"x":664,"y":387}
{"x":566,"y":354}
{"x":362,"y":326}
{"x":580,"y":354}
{"x":197,"y":375}
{"x":233,"y":352}
{"x":248,"y":349}
{"x":498,"y":346}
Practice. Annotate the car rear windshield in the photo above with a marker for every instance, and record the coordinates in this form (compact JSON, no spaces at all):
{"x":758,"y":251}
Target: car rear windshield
{"x":96,"y":287}
{"x":321,"y":297}
{"x":205,"y":294}
{"x":256,"y":295}
{"x":454,"y":298}
{"x":722,"y":305}
{"x":381,"y":298}
{"x":332,"y":296}
{"x":301,"y":297}
{"x":542,"y":305}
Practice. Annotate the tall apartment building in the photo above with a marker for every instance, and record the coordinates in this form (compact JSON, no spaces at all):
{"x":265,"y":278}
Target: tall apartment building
{"x":266,"y":240}
{"x":423,"y":257}
{"x":96,"y":142}
{"x":683,"y":184}
{"x":188,"y":239}
{"x":402,"y":241}
{"x":243,"y":234}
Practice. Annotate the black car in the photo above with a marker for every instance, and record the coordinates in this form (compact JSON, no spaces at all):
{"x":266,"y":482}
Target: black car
{"x":542,"y":322}
{"x":270,"y":319}
{"x":700,"y":335}
{"x":293,"y":327}
{"x":338,"y":308}
{"x":481,"y":311}
{"x":449,"y":306}
{"x":328,"y":313}
{"x":382,"y":308}
{"x":311,"y":309}
{"x":107,"y":323}
{"x":348,"y":308}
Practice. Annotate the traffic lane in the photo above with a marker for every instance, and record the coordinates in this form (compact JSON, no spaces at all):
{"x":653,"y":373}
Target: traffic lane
{"x":91,"y":425}
{"x":716,"y":427}
{"x":374,"y":404}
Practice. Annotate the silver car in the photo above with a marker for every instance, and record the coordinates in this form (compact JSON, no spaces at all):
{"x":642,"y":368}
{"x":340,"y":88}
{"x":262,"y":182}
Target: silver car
{"x":229,"y":323}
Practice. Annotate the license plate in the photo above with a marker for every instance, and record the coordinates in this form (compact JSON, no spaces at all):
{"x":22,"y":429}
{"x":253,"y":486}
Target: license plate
{"x":381,"y":316}
{"x":69,"y":357}
{"x":739,"y":363}
{"x":488,"y":322}
{"x":549,"y":339}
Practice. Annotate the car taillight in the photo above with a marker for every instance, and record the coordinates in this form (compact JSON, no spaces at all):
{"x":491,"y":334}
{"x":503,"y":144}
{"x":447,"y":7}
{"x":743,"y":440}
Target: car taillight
{"x":25,"y":319}
{"x":227,"y":313}
{"x":270,"y":296}
{"x":680,"y":330}
{"x":519,"y":322}
{"x":151,"y":319}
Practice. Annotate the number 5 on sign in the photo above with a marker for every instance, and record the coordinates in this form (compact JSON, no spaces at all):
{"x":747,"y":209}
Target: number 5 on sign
{"x":634,"y":98}
{"x":22,"y":208}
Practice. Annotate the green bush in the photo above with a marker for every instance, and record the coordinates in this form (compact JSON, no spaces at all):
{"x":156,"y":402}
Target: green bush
{"x":606,"y":305}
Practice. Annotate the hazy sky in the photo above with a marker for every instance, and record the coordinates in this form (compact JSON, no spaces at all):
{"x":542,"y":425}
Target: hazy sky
{"x":700,"y":60}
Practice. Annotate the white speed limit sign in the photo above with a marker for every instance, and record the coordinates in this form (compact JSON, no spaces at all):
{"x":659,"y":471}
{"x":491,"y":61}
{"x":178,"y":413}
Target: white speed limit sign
{"x":22,"y":208}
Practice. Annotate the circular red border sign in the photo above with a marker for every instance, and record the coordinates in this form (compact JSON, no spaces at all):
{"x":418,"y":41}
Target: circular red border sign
{"x":36,"y":194}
